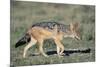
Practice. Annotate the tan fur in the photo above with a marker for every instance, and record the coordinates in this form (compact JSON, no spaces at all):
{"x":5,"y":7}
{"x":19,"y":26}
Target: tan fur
{"x":38,"y":35}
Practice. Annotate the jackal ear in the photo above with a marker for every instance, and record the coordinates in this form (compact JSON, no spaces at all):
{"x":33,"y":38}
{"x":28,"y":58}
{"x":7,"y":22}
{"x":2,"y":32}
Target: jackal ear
{"x":76,"y":26}
{"x":71,"y":27}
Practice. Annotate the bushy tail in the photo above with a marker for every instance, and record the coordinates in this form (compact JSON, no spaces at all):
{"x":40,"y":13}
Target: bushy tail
{"x":25,"y":39}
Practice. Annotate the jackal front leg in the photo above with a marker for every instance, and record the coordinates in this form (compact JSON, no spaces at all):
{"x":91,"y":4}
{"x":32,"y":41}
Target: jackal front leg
{"x":60,"y":47}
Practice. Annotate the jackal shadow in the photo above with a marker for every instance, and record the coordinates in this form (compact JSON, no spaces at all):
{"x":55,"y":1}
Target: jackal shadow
{"x":68,"y":52}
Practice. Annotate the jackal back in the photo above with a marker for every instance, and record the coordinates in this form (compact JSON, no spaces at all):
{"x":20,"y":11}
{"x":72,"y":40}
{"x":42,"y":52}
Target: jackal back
{"x":51,"y":26}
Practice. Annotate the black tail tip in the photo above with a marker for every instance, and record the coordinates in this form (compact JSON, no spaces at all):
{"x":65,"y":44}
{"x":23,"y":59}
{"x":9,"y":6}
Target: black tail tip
{"x":16,"y":45}
{"x":20,"y":43}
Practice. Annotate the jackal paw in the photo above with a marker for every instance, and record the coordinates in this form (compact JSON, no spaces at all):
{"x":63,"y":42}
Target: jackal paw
{"x":46,"y":56}
{"x":62,"y":54}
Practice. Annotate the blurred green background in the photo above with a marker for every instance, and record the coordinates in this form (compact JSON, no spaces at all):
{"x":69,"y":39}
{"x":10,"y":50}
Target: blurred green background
{"x":25,"y":14}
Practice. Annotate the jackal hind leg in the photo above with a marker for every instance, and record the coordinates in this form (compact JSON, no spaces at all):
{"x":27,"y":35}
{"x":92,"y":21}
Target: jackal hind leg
{"x":41,"y":48}
{"x":30,"y":44}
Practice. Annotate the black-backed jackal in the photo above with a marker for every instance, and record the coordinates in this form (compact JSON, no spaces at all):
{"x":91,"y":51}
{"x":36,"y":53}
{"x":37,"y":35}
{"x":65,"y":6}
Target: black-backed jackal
{"x":47,"y":30}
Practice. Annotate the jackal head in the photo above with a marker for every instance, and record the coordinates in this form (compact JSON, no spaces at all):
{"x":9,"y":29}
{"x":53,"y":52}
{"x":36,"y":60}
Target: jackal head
{"x":74,"y":31}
